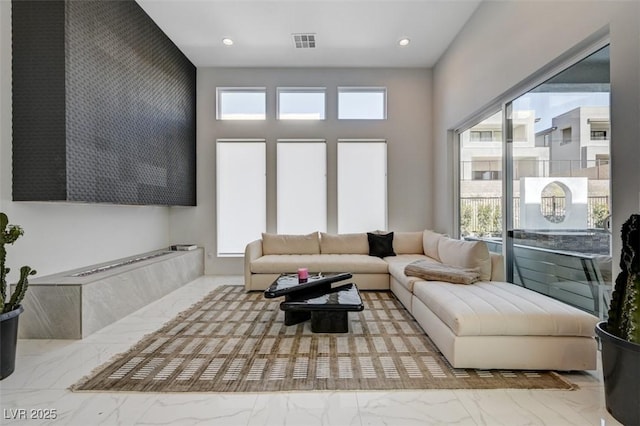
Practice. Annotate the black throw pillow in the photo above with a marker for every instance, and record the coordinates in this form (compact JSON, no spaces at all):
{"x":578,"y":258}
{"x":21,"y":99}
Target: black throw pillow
{"x":381,"y":245}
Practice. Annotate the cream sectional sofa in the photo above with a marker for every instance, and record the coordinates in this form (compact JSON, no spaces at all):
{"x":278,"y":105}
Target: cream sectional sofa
{"x":320,"y":252}
{"x":490,"y":324}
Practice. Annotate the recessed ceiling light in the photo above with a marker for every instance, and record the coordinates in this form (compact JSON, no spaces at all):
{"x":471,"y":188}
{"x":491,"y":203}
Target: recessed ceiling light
{"x":227,"y":41}
{"x":404,"y":41}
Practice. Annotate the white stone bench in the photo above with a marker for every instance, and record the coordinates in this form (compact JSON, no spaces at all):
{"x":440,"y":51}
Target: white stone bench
{"x":74,"y":304}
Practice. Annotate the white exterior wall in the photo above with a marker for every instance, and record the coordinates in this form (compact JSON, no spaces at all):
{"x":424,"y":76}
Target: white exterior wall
{"x":62,"y":236}
{"x":591,"y":148}
{"x":565,"y":156}
{"x":522,"y":47}
{"x":530,"y":159}
{"x":576,"y":209}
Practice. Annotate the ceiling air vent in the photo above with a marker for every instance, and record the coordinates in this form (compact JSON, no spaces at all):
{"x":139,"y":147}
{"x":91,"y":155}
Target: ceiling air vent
{"x":304,"y":41}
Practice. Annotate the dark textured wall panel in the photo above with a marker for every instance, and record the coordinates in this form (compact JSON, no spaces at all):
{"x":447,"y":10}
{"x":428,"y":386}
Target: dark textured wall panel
{"x":39,"y":162}
{"x":129,"y":108}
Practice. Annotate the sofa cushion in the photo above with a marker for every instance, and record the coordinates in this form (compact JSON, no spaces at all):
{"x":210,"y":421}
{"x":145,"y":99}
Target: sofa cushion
{"x":466,"y":254}
{"x":380,"y":245}
{"x":408,"y":243}
{"x":430,"y":243}
{"x":502,"y":309}
{"x":431,"y":271}
{"x":397,"y":265}
{"x":290,"y":244}
{"x":344,"y":243}
{"x":354,"y":263}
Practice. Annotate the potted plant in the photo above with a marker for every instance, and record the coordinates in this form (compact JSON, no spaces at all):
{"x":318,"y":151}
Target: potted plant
{"x":11,"y":307}
{"x":620,"y":334}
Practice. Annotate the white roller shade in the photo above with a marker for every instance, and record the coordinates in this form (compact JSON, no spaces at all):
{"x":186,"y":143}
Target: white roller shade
{"x":362,"y":186}
{"x":241,"y":195}
{"x":302,"y":187}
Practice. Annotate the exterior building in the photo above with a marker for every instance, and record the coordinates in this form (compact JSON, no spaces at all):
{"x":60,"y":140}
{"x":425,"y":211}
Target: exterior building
{"x":575,"y":146}
{"x":481,"y":154}
{"x":579,"y":143}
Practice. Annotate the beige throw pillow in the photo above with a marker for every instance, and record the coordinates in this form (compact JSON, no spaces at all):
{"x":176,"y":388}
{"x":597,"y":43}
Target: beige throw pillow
{"x":430,"y":243}
{"x":344,"y":243}
{"x":290,"y":244}
{"x":407,"y":243}
{"x":466,"y":254}
{"x":439,"y":272}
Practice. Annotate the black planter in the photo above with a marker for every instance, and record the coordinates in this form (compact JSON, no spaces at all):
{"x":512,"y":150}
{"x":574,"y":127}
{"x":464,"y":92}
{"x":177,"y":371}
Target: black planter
{"x":621,"y":371}
{"x":8,"y":341}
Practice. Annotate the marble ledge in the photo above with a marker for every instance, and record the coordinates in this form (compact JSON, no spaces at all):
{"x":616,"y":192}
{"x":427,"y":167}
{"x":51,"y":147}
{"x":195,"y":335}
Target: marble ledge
{"x":63,"y":306}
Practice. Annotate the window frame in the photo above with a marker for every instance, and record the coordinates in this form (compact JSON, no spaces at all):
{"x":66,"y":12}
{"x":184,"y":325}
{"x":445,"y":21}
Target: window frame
{"x":363,"y":89}
{"x":227,"y":89}
{"x":480,"y":134}
{"x":287,"y":89}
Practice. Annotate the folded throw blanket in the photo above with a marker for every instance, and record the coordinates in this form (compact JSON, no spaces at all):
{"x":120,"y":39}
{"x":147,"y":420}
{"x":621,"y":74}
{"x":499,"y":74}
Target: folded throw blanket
{"x":439,"y":272}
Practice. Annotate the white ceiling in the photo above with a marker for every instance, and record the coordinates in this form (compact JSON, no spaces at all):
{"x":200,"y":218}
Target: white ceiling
{"x":349,"y":33}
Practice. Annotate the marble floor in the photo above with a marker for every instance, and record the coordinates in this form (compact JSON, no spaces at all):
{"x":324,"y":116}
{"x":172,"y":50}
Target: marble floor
{"x":46,"y":368}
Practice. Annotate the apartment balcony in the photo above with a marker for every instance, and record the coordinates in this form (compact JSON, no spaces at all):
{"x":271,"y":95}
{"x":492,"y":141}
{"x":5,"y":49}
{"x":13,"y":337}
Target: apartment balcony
{"x":492,"y":170}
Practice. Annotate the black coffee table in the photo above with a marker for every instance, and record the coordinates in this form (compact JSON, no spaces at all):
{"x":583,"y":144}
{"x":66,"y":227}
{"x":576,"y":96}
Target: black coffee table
{"x":329,"y":310}
{"x":315,"y":299}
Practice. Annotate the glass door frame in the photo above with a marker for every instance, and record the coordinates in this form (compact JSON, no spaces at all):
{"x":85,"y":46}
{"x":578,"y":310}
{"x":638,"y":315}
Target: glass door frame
{"x":507,"y":190}
{"x":504,"y":102}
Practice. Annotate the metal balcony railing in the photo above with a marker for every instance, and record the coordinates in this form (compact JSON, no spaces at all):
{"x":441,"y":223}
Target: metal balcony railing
{"x":492,"y":170}
{"x":483,"y":215}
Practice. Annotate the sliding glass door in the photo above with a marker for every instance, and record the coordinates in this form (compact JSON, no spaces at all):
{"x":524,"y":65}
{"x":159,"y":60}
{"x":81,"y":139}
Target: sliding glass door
{"x":534,"y":184}
{"x":557,"y":160}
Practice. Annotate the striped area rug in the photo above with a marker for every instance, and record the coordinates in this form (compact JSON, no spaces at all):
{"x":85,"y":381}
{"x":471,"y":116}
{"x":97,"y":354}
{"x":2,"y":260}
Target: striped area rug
{"x":233,"y":341}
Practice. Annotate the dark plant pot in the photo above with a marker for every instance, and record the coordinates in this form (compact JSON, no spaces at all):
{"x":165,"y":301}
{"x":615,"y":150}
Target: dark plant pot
{"x":621,"y":371}
{"x":8,"y":341}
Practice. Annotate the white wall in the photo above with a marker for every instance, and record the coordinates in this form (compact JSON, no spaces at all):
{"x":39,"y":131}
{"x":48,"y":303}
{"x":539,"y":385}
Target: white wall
{"x":62,"y":236}
{"x":506,"y":42}
{"x":407,"y":131}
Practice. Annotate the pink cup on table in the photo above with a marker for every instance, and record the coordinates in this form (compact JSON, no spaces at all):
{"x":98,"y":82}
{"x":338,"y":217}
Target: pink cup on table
{"x":303,"y":275}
